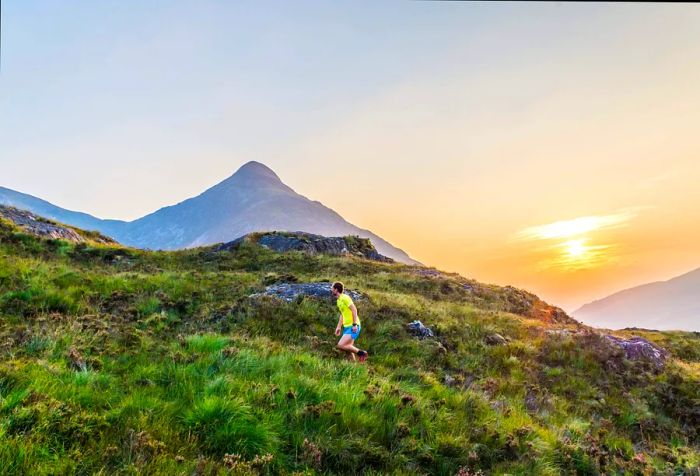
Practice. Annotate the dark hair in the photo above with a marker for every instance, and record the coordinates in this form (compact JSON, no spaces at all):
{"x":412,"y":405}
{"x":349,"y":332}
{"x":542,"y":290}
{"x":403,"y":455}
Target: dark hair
{"x":339,"y":286}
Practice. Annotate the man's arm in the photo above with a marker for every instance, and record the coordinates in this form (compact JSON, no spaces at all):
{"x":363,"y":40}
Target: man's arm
{"x":354,"y":314}
{"x":339,"y":326}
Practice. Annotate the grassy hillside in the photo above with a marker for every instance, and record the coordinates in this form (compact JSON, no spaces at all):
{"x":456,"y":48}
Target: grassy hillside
{"x":121,"y":361}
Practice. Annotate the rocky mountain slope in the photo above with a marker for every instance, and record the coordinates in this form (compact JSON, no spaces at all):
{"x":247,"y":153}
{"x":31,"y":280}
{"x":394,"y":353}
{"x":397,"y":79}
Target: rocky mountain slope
{"x":254,"y":199}
{"x":672,"y":304}
{"x":117,"y":360}
{"x":42,"y":227}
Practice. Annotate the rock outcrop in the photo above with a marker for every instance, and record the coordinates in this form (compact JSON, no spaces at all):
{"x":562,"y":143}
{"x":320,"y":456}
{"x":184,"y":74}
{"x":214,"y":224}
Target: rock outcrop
{"x":638,"y":348}
{"x":495,"y":339}
{"x":290,"y":291}
{"x":44,"y":228}
{"x":310,"y":243}
{"x":417,"y":329}
{"x":614,"y":349}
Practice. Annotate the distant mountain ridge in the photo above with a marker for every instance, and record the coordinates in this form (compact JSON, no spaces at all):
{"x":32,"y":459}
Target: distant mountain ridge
{"x":251,"y":200}
{"x":663,"y":305}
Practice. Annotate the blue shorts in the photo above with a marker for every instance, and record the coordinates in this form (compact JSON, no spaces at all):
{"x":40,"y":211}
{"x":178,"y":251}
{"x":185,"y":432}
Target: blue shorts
{"x":348,"y":331}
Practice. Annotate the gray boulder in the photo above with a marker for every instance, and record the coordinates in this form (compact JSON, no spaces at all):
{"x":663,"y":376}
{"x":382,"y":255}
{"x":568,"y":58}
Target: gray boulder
{"x":290,"y":291}
{"x":495,"y":339}
{"x":417,"y":329}
{"x":638,"y":348}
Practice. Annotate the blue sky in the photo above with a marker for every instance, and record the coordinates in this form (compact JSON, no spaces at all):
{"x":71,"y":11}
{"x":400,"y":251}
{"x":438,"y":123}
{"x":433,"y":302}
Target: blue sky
{"x":102,"y":90}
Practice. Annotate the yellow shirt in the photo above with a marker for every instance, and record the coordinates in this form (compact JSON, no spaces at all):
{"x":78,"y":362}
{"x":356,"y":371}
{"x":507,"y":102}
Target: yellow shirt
{"x":344,"y":301}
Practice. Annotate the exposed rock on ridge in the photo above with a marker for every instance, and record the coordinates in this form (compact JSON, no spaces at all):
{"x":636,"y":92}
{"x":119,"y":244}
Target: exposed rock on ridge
{"x":310,"y":243}
{"x":290,"y":291}
{"x":44,"y":228}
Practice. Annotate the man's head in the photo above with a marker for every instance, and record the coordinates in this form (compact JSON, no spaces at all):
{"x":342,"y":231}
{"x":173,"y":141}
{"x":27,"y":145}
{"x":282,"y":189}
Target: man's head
{"x":337,"y":289}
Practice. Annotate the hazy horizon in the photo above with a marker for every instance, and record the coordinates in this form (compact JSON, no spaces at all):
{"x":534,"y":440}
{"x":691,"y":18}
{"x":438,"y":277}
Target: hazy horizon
{"x":547,"y":146}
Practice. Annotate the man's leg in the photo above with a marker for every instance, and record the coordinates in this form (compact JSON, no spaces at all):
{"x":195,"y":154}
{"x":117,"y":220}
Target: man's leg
{"x":346,"y":344}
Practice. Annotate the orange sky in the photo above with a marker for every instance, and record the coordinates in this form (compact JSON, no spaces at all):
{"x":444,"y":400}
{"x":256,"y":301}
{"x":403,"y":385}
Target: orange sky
{"x":653,"y":241}
{"x":613,"y":135}
{"x":637,"y":161}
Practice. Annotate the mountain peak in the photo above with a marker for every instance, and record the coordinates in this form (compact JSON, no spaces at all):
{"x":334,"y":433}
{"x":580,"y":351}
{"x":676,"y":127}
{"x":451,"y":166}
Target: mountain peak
{"x":256,"y":170}
{"x":252,"y":175}
{"x":253,"y":199}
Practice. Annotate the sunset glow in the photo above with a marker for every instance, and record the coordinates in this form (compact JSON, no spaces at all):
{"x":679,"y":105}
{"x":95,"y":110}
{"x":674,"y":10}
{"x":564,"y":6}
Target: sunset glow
{"x":577,"y":255}
{"x":575,"y":243}
{"x":575,"y":227}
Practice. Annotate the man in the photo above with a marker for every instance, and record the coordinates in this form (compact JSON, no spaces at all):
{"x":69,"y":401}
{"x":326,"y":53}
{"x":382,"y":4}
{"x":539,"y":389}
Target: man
{"x":348,"y":323}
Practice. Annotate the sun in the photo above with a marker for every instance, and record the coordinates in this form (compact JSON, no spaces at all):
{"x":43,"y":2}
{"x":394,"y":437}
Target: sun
{"x":575,"y":248}
{"x":572,"y":248}
{"x":578,"y":254}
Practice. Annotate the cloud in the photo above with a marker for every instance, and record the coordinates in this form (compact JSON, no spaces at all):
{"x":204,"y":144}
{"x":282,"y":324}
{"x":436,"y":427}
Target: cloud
{"x":575,"y":227}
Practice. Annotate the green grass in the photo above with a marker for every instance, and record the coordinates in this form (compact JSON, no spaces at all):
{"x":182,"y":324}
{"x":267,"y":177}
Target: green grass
{"x":182,"y":370}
